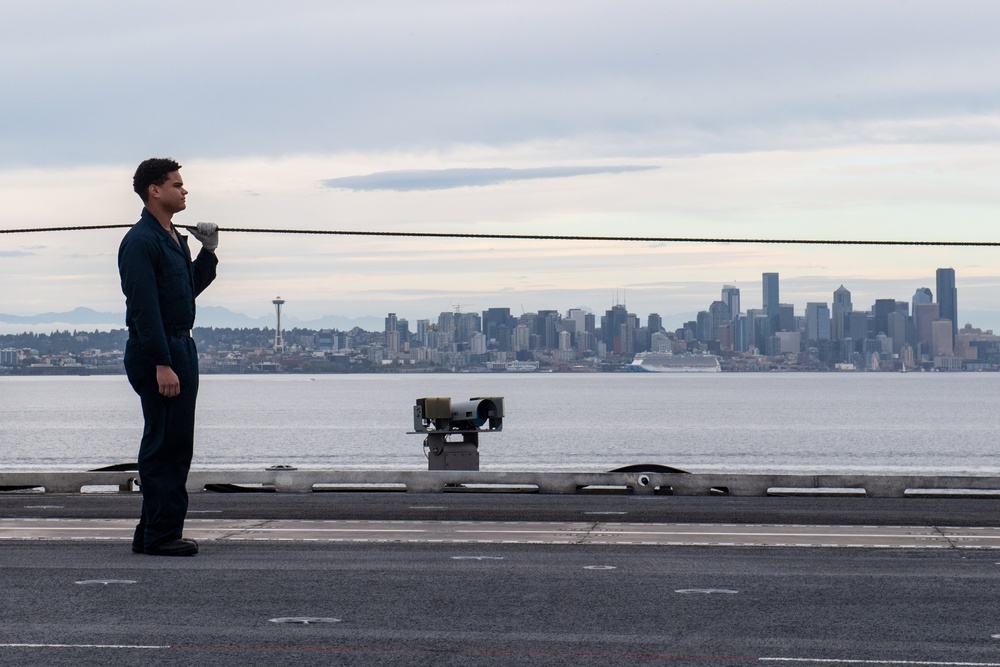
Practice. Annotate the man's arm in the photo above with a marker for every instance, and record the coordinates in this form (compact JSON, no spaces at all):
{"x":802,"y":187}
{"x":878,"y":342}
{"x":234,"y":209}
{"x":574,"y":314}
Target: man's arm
{"x":136,"y":264}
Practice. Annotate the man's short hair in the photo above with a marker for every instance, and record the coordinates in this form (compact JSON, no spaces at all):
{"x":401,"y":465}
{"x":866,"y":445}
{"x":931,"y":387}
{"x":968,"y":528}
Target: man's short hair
{"x":153,"y":171}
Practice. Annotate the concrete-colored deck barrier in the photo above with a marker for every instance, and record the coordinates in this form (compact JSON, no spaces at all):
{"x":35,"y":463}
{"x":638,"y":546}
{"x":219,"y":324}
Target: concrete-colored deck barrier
{"x":679,"y":484}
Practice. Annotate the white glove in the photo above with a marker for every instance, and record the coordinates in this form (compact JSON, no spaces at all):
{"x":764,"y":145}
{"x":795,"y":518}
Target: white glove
{"x":208,"y":234}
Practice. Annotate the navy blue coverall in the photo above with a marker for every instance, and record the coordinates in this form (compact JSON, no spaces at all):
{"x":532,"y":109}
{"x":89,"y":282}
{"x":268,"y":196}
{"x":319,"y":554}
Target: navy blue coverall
{"x":160,"y":283}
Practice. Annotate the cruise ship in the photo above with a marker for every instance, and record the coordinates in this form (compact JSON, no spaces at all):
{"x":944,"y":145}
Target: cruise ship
{"x":664,"y":362}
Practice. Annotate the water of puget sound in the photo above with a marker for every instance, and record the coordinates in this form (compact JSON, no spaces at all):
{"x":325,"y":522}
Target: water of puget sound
{"x":923,"y":423}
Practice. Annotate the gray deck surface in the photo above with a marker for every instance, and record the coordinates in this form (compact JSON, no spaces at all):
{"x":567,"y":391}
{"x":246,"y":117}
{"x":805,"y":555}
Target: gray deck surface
{"x":504,"y":579}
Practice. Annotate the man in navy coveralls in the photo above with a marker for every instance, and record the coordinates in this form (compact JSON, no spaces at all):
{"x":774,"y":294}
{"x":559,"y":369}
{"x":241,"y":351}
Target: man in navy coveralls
{"x":160,"y":283}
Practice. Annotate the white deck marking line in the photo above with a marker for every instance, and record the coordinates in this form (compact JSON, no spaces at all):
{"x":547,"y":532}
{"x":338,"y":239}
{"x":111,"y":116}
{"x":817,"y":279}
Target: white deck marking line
{"x":615,"y":533}
{"x":924,"y":663}
{"x":240,"y":530}
{"x":101,"y":646}
{"x":528,"y":532}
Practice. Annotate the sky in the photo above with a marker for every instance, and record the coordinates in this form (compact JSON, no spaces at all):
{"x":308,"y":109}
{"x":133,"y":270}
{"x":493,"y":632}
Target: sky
{"x":851,"y":120}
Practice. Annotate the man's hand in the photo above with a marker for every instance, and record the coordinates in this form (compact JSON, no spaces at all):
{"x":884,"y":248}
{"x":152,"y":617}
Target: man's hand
{"x":167,"y":381}
{"x":208,"y":234}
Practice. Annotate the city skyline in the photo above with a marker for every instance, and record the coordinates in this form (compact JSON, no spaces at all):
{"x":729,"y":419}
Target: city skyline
{"x":642,"y":118}
{"x":737,"y":294}
{"x":892,"y":335}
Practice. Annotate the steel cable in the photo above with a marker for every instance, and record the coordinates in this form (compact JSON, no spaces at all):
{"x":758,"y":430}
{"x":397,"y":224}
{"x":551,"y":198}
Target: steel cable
{"x":545,"y":237}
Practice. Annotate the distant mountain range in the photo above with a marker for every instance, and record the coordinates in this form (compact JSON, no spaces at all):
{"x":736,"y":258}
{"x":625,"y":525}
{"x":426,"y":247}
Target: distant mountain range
{"x":208,"y":316}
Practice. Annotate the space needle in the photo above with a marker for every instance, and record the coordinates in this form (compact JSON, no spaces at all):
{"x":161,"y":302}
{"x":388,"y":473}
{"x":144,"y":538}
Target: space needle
{"x":279,"y":342}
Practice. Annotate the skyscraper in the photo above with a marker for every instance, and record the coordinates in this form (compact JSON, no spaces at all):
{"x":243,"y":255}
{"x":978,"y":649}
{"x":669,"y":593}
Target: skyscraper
{"x":786,"y":318}
{"x":924,"y":314}
{"x":423,"y":327}
{"x":719,"y":314}
{"x":390,"y":324}
{"x":882,"y":309}
{"x":770,"y":289}
{"x":611,"y":325}
{"x":942,"y":340}
{"x":841,"y":307}
{"x":817,"y":321}
{"x":498,"y":325}
{"x":947,"y":298}
{"x":922,"y":295}
{"x":896,"y":329}
{"x":731,"y":297}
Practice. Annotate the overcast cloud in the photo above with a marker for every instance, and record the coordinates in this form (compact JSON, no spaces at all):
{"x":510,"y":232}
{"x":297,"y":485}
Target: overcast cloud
{"x":723,"y":119}
{"x":444,"y":179}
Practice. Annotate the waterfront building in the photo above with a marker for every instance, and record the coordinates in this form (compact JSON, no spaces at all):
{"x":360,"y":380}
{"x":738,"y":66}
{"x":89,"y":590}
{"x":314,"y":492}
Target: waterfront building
{"x":947,"y":298}
{"x":948,"y":363}
{"x":10,"y":357}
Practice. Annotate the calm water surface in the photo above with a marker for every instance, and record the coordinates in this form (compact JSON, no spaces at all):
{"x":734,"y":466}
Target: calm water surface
{"x":864,"y":422}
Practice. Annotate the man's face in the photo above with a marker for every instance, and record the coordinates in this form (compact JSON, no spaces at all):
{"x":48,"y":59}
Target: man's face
{"x":170,"y":195}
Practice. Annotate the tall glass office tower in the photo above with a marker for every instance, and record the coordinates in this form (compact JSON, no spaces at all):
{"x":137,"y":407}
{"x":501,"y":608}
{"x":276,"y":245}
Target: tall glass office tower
{"x":947,"y":298}
{"x":770,"y":287}
{"x":731,"y":297}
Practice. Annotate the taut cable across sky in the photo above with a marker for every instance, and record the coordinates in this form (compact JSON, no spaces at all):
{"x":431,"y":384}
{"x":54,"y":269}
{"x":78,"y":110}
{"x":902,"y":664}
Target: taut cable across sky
{"x":543,"y":237}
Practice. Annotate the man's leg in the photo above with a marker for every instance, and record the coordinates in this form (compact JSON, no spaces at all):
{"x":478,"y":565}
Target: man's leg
{"x":166,"y":450}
